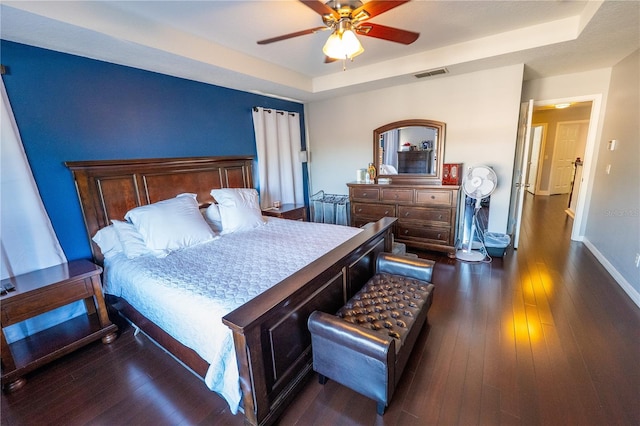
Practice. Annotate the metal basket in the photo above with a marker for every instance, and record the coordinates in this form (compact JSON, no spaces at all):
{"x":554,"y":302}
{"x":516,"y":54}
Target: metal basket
{"x":330,"y":208}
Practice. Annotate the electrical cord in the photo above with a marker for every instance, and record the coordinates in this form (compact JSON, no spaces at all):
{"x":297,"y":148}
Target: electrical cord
{"x":483,"y":248}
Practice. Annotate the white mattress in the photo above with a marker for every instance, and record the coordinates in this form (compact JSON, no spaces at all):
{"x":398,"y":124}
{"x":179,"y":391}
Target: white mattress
{"x":188,"y":292}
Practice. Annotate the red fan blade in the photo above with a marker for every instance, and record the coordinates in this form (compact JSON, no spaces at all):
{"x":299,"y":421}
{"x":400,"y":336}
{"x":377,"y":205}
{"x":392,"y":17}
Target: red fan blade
{"x":321,"y":8}
{"x":376,"y":7}
{"x":387,"y":33}
{"x":292,"y":35}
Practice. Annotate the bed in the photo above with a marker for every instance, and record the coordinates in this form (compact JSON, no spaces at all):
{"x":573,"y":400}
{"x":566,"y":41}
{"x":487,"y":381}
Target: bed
{"x":270,"y":341}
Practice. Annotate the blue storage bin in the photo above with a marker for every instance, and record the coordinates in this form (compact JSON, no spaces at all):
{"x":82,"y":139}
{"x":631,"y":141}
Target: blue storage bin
{"x":496,"y":243}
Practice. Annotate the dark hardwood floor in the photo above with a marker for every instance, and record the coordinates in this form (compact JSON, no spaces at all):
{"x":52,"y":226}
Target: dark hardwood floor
{"x":543,"y":336}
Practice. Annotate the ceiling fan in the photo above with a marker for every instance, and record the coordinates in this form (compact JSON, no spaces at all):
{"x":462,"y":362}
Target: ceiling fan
{"x":345,"y":19}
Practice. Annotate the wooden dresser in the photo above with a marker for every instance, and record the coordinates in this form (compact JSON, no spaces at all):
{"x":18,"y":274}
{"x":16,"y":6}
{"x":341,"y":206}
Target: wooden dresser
{"x":427,"y":214}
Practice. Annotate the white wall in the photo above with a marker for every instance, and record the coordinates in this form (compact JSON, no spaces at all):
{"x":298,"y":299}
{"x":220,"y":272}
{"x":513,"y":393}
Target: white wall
{"x":480,"y":110}
{"x":613,"y":225}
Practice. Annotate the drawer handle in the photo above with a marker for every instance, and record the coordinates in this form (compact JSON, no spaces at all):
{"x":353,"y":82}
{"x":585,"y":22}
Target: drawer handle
{"x":359,"y":210}
{"x":396,"y":196}
{"x":406,"y":214}
{"x":406,"y":231}
{"x":439,"y":236}
{"x":364,"y":194}
{"x":440,"y":217}
{"x":386,"y":212}
{"x":433,"y":197}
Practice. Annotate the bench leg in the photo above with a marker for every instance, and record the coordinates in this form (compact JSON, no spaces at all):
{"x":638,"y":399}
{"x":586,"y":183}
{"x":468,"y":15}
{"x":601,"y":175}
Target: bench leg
{"x":322,"y":379}
{"x":381,"y":408}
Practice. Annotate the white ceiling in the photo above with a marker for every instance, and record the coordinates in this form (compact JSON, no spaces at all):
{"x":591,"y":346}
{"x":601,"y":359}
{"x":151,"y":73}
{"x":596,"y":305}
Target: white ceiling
{"x":215,"y":41}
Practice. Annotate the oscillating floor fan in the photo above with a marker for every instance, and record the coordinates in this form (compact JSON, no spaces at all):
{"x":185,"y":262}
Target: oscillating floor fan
{"x":479,"y":182}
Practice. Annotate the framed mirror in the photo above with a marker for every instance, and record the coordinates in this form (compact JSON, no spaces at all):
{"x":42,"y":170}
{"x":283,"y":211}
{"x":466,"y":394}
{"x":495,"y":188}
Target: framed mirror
{"x":410,"y":151}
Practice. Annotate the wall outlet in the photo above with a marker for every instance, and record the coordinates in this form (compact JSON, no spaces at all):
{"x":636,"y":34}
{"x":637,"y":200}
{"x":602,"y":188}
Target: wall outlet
{"x":637,"y":260}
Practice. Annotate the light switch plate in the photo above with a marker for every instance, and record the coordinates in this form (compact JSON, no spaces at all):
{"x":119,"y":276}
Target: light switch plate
{"x":612,"y":144}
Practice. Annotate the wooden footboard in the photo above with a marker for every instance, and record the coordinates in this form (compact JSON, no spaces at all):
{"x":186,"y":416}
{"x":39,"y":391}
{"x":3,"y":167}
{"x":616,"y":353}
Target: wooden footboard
{"x":273,"y":344}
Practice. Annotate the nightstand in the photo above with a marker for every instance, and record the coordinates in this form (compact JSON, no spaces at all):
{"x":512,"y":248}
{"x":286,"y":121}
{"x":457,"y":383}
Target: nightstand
{"x":41,"y":291}
{"x":287,"y":211}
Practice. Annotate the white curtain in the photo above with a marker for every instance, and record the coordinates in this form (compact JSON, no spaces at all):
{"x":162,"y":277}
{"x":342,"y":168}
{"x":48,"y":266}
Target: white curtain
{"x":27,"y":239}
{"x":278,"y":142}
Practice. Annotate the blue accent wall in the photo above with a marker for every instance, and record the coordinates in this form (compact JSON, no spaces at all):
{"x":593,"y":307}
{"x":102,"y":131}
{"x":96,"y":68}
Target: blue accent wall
{"x":71,"y":108}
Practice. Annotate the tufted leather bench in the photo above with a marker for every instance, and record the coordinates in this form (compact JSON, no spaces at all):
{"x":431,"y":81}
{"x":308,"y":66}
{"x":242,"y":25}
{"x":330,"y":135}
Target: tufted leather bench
{"x":366,"y":345}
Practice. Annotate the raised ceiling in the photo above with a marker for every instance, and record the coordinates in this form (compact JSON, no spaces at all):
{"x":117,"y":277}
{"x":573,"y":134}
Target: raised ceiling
{"x":215,"y":41}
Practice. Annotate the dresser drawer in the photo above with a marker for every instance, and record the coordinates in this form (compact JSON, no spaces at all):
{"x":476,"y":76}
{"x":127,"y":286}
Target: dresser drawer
{"x":365,"y":193}
{"x":413,"y":230}
{"x":397,"y":195}
{"x":440,"y":216}
{"x":434,"y":197}
{"x":373,"y":211}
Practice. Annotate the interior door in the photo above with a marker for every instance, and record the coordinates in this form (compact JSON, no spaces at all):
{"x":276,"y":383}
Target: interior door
{"x":537,"y":133}
{"x":520,"y":170}
{"x":564,"y":149}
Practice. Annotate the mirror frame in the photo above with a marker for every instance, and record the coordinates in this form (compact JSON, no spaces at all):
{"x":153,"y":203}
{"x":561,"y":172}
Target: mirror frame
{"x":413,"y":178}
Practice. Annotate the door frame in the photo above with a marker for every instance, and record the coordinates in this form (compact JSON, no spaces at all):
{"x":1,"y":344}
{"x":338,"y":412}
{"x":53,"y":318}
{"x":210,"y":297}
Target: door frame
{"x":589,"y":161}
{"x":520,"y":170}
{"x":543,"y":142}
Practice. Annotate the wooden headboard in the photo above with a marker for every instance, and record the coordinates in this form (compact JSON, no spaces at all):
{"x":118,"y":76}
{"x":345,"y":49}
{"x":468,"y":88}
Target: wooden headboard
{"x":108,"y":189}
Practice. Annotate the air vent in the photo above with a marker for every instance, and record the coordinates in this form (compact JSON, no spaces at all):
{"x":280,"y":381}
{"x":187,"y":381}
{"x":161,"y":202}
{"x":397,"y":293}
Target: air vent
{"x":431,"y":73}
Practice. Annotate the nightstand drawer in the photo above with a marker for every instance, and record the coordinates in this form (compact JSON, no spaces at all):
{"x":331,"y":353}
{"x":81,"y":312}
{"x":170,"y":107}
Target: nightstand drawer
{"x":28,"y":305}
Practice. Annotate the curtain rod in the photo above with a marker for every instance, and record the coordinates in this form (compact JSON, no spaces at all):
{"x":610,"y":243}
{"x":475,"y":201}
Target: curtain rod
{"x":255,"y":108}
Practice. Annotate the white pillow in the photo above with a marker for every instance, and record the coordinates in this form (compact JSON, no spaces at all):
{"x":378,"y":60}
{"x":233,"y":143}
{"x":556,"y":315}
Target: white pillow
{"x":171,"y":224}
{"x":239,"y":209}
{"x":130,"y":239}
{"x":213,"y":218}
{"x":108,"y":241}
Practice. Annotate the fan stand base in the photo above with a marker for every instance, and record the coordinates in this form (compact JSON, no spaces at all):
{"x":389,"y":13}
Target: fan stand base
{"x":469,"y":256}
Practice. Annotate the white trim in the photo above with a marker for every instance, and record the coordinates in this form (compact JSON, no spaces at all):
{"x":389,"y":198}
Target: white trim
{"x":622,"y":282}
{"x":541,"y":147}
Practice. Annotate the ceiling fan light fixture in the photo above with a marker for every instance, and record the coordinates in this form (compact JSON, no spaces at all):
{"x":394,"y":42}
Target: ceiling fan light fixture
{"x":343,"y":44}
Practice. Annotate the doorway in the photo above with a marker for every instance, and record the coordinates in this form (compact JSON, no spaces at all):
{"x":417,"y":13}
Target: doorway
{"x":547,"y":114}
